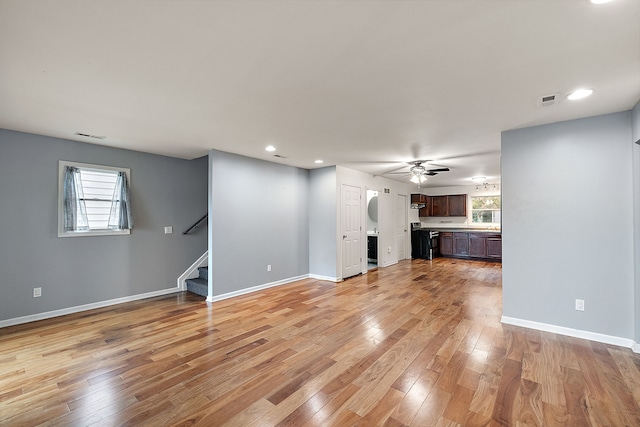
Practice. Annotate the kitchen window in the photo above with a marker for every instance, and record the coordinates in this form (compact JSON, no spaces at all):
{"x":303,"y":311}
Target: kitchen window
{"x":486,"y":209}
{"x":93,"y":200}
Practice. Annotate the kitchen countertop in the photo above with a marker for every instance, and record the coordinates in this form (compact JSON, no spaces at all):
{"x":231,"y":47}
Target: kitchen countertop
{"x":463,"y":230}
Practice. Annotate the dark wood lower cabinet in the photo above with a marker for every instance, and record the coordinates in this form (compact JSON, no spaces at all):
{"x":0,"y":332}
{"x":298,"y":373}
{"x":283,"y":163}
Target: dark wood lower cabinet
{"x":446,"y":244}
{"x":471,"y":245}
{"x":494,"y":247}
{"x":477,"y":246}
{"x":461,"y":244}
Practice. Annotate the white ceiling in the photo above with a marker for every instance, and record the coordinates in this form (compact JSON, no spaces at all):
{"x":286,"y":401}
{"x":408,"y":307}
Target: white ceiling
{"x":356,"y":83}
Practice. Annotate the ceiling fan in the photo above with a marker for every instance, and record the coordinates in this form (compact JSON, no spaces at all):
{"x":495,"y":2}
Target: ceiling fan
{"x":419,"y":173}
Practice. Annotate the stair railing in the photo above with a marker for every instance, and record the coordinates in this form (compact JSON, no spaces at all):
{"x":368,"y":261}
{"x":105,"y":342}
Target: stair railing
{"x":196,"y":225}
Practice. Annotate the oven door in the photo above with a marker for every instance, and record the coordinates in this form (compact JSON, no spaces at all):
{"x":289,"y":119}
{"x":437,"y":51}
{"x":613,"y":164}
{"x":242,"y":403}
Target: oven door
{"x":434,"y":246}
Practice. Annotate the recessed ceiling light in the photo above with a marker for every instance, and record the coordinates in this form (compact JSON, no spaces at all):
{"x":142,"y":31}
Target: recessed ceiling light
{"x":319,"y":161}
{"x":600,"y":1}
{"x":270,"y":148}
{"x":579,"y":94}
{"x":478,"y":178}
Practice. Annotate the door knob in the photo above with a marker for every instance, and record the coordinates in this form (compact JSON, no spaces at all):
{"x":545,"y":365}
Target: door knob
{"x":344,"y":236}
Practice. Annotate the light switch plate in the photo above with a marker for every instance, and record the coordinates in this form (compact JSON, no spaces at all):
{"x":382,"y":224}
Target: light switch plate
{"x":168,"y":230}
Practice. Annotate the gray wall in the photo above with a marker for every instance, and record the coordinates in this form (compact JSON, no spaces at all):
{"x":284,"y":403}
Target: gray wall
{"x":635,"y":122}
{"x":74,"y":271}
{"x":259,"y":216}
{"x":323,"y":222}
{"x":568,"y":224}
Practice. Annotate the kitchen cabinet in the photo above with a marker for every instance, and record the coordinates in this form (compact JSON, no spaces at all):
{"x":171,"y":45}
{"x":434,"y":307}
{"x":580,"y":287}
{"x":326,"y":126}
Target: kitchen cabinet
{"x":438,"y":206}
{"x":472,"y":245}
{"x":421,"y":199}
{"x":494,"y":246}
{"x":477,"y":245}
{"x":461,"y":244}
{"x":457,"y":205}
{"x":446,"y":243}
{"x":447,"y":205}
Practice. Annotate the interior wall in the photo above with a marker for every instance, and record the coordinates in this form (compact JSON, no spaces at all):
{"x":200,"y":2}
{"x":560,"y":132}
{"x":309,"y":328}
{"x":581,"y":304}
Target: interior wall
{"x":259,"y":217}
{"x":635,"y":137}
{"x":567,"y":225}
{"x":372,"y":211}
{"x":74,"y":271}
{"x":387,"y":249}
{"x":322,"y":223}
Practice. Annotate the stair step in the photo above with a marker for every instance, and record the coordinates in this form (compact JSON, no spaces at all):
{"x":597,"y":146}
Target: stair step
{"x":198,"y":286}
{"x":203,"y":272}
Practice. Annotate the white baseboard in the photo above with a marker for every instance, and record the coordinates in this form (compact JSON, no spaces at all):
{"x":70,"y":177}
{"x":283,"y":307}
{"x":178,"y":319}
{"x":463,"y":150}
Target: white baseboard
{"x":84,"y":307}
{"x":326,"y":278}
{"x":570,"y":332}
{"x":228,"y":295}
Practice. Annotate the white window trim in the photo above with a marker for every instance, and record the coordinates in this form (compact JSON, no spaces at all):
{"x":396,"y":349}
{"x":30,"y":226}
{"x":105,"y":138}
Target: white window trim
{"x":490,"y":224}
{"x":61,"y":233}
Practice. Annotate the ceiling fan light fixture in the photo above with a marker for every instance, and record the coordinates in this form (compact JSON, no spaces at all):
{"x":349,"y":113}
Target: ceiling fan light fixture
{"x":418,"y":179}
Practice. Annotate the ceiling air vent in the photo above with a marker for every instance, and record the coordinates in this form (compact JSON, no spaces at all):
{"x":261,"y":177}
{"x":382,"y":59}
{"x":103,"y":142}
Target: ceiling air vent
{"x":90,"y":136}
{"x":548,"y":100}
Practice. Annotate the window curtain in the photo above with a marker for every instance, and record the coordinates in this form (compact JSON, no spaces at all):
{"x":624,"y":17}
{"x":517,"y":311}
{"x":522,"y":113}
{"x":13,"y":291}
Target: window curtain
{"x":120,"y":217}
{"x":75,"y":211}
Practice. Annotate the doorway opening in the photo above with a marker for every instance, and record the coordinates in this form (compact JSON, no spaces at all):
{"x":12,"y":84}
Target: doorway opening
{"x":372,"y":229}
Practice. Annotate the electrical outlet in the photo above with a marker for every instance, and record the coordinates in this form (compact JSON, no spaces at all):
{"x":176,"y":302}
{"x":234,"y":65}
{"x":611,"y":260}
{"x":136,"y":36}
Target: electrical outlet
{"x":580,"y":304}
{"x":37,"y":292}
{"x":389,"y":250}
{"x":269,"y":267}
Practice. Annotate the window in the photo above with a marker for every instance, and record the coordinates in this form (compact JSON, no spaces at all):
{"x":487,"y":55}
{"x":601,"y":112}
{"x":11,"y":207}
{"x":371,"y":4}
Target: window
{"x":485,"y":209}
{"x":93,"y":200}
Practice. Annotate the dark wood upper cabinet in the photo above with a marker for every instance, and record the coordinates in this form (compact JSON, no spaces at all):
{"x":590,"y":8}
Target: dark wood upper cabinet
{"x":438,"y":206}
{"x":457,"y":205}
{"x":447,"y":205}
{"x":419,"y":198}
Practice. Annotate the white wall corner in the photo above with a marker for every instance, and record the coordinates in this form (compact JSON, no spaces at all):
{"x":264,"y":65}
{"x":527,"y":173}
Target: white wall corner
{"x":325,"y":278}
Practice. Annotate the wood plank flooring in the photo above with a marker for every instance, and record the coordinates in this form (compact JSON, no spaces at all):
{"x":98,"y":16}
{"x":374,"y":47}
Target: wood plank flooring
{"x":416,"y":344}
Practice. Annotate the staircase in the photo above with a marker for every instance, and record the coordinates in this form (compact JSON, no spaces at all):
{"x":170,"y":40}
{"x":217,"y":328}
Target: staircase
{"x":200,"y":284}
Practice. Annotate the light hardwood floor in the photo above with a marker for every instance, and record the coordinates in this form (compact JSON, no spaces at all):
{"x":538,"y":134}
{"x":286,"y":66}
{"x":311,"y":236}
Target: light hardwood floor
{"x":416,"y":344}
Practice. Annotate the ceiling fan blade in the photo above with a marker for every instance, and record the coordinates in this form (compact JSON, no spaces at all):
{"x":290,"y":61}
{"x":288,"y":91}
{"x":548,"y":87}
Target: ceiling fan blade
{"x":439,"y":170}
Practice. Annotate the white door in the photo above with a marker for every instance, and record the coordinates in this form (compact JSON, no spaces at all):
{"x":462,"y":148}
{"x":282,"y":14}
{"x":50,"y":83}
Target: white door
{"x":401,"y":226}
{"x":351,"y":231}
